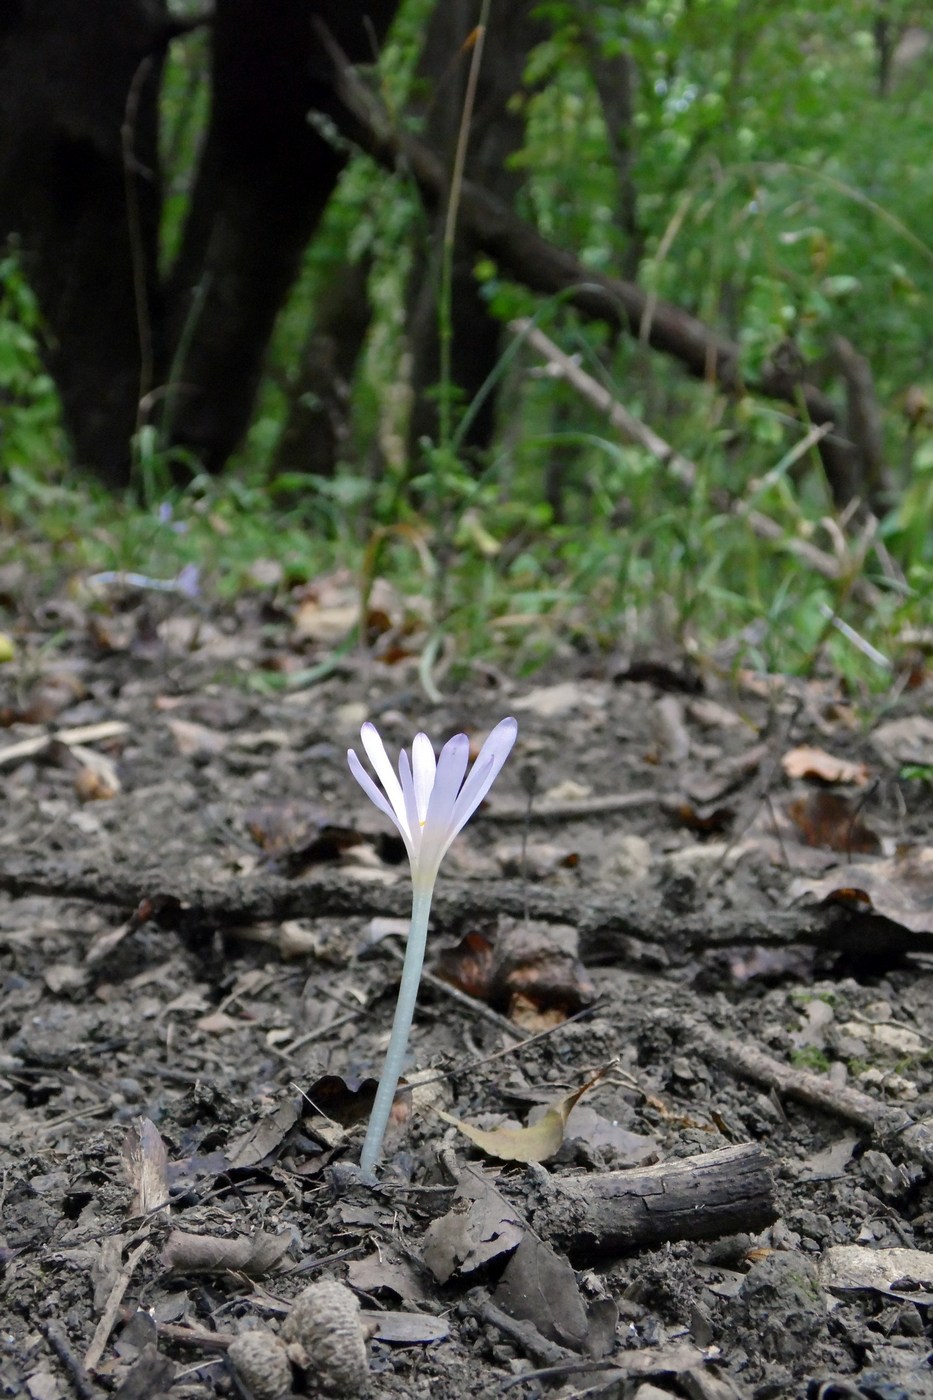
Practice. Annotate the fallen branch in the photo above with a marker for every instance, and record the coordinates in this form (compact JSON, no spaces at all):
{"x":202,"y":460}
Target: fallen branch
{"x":543,"y":267}
{"x":636,"y":431}
{"x":612,"y":926}
{"x":890,"y":1126}
{"x":691,"y":1198}
{"x":599,"y":396}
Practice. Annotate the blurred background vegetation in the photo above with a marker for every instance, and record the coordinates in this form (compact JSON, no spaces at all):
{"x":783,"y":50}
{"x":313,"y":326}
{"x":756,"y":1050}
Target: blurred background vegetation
{"x":763,"y":169}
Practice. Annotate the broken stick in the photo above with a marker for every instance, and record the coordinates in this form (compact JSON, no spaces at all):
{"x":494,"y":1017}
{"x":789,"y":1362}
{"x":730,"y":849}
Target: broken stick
{"x":691,"y":1198}
{"x":889,"y":1125}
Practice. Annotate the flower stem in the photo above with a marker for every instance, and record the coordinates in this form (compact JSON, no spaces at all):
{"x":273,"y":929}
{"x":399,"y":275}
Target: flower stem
{"x":398,"y":1040}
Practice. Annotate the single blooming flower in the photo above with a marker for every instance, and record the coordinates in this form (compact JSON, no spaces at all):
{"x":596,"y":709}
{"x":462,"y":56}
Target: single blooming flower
{"x":429,"y":802}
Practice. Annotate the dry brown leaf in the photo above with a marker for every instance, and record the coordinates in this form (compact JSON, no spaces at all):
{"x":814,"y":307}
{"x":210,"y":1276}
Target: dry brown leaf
{"x":817,"y":765}
{"x":468,"y":965}
{"x":252,"y":1255}
{"x":831,"y":821}
{"x":405,"y":1328}
{"x":535,"y":1143}
{"x":480,"y":1226}
{"x":907,"y":740}
{"x":900,"y":889}
{"x":145,"y":1162}
{"x":196,"y":739}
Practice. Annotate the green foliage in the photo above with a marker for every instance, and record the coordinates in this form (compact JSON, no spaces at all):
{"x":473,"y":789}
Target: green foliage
{"x":29,"y":429}
{"x":766,"y":185}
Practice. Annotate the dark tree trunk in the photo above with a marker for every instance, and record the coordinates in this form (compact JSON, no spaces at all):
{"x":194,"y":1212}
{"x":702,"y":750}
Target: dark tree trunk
{"x":266,"y":175}
{"x":79,"y":84}
{"x":72,"y":75}
{"x":317,"y":427}
{"x":496,"y":132}
{"x":545,"y":268}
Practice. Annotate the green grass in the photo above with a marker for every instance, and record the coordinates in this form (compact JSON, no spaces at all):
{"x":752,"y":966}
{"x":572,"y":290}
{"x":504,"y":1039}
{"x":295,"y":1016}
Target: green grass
{"x":632,"y":564}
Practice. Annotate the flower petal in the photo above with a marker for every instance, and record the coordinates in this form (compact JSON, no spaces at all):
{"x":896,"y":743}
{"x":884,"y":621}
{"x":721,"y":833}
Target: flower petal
{"x":408,"y":793}
{"x":378,"y":757}
{"x":483,"y":773}
{"x":376,"y":796}
{"x":424,"y":769}
{"x":451,"y":767}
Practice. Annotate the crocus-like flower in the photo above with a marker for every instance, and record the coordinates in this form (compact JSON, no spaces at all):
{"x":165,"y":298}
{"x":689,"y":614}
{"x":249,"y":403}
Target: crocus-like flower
{"x":429,"y":802}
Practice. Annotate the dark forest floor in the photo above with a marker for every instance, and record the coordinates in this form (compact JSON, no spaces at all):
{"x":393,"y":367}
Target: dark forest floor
{"x":195,"y":960}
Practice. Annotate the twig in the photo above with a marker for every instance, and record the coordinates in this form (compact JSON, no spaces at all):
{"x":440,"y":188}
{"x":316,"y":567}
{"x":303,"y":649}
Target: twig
{"x":109,"y":1316}
{"x":520,"y":1330}
{"x":886,"y":1123}
{"x":469,"y":1004}
{"x":579,"y":809}
{"x":599,"y":396}
{"x":77,"y":1373}
{"x":84,"y":734}
{"x":816,"y":559}
{"x":614,"y":924}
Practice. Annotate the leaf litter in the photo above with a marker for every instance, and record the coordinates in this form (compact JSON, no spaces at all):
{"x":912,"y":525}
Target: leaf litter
{"x":686,"y":892}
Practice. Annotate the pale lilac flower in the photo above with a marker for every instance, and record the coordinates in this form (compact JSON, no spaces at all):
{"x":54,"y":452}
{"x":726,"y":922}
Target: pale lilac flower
{"x":429,"y":802}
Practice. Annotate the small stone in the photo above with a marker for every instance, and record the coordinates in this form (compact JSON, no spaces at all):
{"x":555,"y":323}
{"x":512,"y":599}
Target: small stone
{"x":261,"y":1362}
{"x":325,"y":1323}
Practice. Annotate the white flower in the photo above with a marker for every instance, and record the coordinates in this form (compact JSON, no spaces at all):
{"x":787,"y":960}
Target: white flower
{"x":428,"y":801}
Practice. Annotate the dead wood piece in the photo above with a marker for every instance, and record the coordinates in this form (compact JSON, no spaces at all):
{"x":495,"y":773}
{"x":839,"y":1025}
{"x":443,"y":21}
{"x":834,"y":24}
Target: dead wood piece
{"x":615,"y":927}
{"x":57,"y":1339}
{"x":576,"y":809}
{"x":109,"y":1316}
{"x":544,"y":267}
{"x":892,"y":1127}
{"x":253,"y":1255}
{"x":692,"y":1198}
{"x":525,"y":1333}
{"x":599,"y":396}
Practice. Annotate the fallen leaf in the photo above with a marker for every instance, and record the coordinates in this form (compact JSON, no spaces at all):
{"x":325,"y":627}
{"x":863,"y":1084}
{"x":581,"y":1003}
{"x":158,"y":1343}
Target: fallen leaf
{"x":703,"y":818}
{"x":405,"y":1328}
{"x":252,"y":1255}
{"x":535,"y":1143}
{"x":218,"y":1023}
{"x":298,"y":832}
{"x":663,"y":674}
{"x":530,"y":963}
{"x":481,"y":1225}
{"x":816,"y":765}
{"x":900,"y":889}
{"x":908,"y":740}
{"x":468,"y":965}
{"x":628,"y":1149}
{"x":549,"y":701}
{"x":264,"y":1137}
{"x":193,"y":739}
{"x":342,"y":1102}
{"x":540,"y":1287}
{"x":145,"y":1162}
{"x":831,"y":821}
{"x":283,"y":826}
{"x":896,"y":1273}
{"x":385,"y":1269}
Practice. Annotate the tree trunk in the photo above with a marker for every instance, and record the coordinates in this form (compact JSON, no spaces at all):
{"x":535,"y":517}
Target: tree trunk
{"x":542,"y":266}
{"x":317,"y":426}
{"x":84,"y":211}
{"x":266,"y":175}
{"x":79,"y":190}
{"x":496,"y":132}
